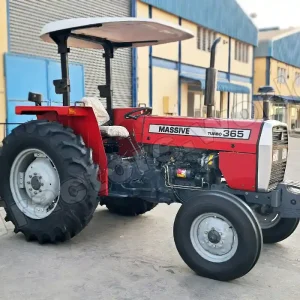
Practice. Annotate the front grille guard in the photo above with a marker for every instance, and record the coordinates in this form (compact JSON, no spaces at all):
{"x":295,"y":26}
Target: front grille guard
{"x":280,"y":140}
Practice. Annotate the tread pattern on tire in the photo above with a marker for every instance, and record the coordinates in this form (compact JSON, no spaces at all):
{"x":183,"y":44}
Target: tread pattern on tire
{"x":77,"y":159}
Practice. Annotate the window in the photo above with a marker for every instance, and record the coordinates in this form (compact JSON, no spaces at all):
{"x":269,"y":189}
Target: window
{"x":205,"y":38}
{"x":297,"y":79}
{"x":241,"y":52}
{"x":281,"y":75}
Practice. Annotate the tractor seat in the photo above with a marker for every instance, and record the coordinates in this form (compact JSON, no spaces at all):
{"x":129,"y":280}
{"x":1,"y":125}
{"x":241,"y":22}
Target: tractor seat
{"x":103,"y":117}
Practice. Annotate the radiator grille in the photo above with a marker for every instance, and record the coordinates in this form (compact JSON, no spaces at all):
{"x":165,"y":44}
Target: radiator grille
{"x":280,"y":146}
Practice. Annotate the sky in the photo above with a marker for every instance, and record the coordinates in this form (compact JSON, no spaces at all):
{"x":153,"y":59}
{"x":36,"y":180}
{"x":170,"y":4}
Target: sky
{"x":270,"y":13}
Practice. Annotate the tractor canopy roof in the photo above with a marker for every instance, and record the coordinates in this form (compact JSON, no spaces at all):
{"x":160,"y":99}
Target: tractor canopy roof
{"x":121,"y":32}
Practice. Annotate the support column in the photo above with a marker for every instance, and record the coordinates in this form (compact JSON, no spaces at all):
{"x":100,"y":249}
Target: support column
{"x":3,"y":50}
{"x":150,"y":67}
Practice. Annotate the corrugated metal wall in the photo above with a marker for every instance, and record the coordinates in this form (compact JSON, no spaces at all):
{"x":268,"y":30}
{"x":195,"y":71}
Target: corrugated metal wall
{"x":26,"y":19}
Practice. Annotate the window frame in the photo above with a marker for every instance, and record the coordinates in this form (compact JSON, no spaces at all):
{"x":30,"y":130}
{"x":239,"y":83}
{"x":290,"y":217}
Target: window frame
{"x":241,"y":52}
{"x":205,"y":38}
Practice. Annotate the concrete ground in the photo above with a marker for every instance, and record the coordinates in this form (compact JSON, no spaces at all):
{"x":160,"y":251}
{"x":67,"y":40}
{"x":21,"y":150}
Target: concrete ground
{"x":135,"y":258}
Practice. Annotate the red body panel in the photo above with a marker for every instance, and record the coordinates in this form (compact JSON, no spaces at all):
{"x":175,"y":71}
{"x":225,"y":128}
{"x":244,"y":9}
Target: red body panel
{"x":213,"y":143}
{"x":239,"y":170}
{"x":237,"y":156}
{"x":82,"y":120}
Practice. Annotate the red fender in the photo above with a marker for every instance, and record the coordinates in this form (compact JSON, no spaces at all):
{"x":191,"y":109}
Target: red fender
{"x":83,"y":121}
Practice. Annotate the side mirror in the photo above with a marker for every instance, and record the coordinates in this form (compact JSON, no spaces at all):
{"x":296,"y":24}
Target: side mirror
{"x":36,"y":98}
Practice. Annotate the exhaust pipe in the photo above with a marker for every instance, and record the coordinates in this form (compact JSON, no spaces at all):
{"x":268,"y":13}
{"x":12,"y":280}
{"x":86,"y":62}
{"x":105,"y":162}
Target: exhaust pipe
{"x":211,"y":81}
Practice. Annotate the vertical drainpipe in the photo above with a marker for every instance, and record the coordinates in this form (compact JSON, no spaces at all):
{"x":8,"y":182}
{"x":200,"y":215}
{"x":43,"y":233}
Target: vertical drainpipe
{"x":228,"y":76}
{"x":134,"y":60}
{"x":179,"y":72}
{"x":268,"y":67}
{"x":8,"y":25}
{"x":5,"y":128}
{"x":253,"y":66}
{"x":150,"y":67}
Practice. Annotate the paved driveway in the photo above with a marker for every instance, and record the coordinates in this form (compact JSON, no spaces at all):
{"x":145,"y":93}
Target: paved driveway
{"x":124,"y":258}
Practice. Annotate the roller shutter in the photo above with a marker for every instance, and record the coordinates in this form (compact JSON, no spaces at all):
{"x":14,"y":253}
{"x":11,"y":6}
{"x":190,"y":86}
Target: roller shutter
{"x":26,"y":19}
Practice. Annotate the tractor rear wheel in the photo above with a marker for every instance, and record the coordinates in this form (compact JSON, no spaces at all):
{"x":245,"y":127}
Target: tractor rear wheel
{"x":49,"y":181}
{"x":274,"y":228}
{"x":127,"y":206}
{"x":217,"y":236}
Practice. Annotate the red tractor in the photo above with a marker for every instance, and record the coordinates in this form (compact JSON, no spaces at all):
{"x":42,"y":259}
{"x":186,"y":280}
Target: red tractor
{"x":227,"y":174}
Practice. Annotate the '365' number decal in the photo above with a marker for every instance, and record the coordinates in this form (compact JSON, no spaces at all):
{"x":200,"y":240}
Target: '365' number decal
{"x":233,"y":133}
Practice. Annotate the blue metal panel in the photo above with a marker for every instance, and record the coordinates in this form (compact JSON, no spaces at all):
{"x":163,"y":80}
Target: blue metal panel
{"x":287,"y":49}
{"x":223,"y":75}
{"x":234,"y":77}
{"x":25,"y":73}
{"x":265,"y":48}
{"x":289,"y":99}
{"x":76,"y":77}
{"x":232,"y":88}
{"x":184,"y":68}
{"x":222,"y":86}
{"x":200,"y":71}
{"x":224,"y":16}
{"x":164,"y":63}
{"x":193,"y":69}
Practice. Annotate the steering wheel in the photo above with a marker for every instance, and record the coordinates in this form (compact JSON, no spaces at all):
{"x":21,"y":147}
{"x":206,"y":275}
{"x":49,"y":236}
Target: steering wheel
{"x":146,"y":111}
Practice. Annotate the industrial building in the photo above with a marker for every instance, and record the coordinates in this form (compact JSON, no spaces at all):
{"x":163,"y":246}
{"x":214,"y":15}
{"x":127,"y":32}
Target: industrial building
{"x":29,"y":64}
{"x":277,"y":64}
{"x":170,"y":78}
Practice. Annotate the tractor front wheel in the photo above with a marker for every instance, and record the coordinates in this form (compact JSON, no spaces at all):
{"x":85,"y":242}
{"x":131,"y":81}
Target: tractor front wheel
{"x":217,"y":236}
{"x":127,"y":206}
{"x":49,"y":181}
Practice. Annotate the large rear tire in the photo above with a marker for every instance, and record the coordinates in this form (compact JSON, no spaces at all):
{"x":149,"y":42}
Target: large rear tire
{"x":218,"y":236}
{"x":49,"y":181}
{"x":127,"y":206}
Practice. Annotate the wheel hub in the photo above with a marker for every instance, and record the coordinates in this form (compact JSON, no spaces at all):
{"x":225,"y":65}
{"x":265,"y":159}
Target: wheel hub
{"x":34,"y":183}
{"x":213,"y":237}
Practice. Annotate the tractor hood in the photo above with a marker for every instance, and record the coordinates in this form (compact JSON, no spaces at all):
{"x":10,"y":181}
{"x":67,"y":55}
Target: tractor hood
{"x":121,"y":32}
